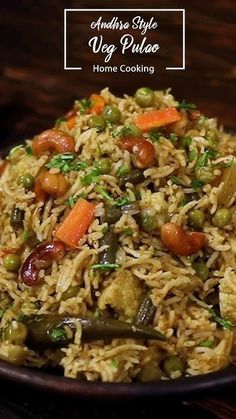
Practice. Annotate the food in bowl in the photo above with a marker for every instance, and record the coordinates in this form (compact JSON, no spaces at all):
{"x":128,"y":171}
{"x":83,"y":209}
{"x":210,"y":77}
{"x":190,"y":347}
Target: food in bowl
{"x":117,"y":243}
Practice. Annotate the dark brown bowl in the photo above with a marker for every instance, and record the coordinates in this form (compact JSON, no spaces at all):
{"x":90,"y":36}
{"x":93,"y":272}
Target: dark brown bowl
{"x":190,"y":387}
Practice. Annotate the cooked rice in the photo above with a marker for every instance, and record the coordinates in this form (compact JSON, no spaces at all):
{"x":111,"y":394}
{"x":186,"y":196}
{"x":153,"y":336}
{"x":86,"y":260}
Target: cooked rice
{"x":182,"y":311}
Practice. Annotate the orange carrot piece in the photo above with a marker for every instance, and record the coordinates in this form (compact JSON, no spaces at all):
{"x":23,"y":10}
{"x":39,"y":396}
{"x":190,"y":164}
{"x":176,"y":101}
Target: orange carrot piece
{"x":98,"y":104}
{"x":71,"y":122}
{"x":155,"y":119}
{"x":76,"y":223}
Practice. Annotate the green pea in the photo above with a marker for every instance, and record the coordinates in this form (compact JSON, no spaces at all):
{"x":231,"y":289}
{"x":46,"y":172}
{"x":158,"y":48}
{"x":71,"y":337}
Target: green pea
{"x":16,"y":333}
{"x":98,"y":122}
{"x":201,"y":269}
{"x":173,"y":364}
{"x":148,"y":220}
{"x":133,"y":131}
{"x":196,"y":218}
{"x":144,"y":96}
{"x":112,"y":114}
{"x":26,"y":180}
{"x":104,"y":165}
{"x":205,"y":174}
{"x":222,"y":217}
{"x":71,"y":292}
{"x":12,"y":263}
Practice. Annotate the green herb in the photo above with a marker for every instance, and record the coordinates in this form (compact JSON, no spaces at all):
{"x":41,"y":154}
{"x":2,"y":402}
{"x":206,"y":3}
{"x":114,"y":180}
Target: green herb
{"x":192,"y":155}
{"x":16,"y":148}
{"x":229,"y":163}
{"x":202,"y":120}
{"x":122,"y":201}
{"x":154,"y":135}
{"x":205,"y":157}
{"x":83,"y":104}
{"x":123,"y":170}
{"x":173,"y":137}
{"x":106,"y":195}
{"x":21,"y":317}
{"x":110,"y":127}
{"x":208,"y":343}
{"x":114,"y":363}
{"x":122,"y":132}
{"x":83,"y":195}
{"x":1,"y":312}
{"x":128,"y":232}
{"x":187,"y":141}
{"x":105,"y":229}
{"x":187,"y":106}
{"x":58,"y":333}
{"x":225,"y":323}
{"x":97,"y":313}
{"x":196,"y":184}
{"x":59,"y":121}
{"x":71,"y":201}
{"x":137,"y":195}
{"x":105,"y":266}
{"x":66,"y":162}
{"x":26,"y":236}
{"x":28,"y":150}
{"x":92,"y":177}
{"x":176,"y":180}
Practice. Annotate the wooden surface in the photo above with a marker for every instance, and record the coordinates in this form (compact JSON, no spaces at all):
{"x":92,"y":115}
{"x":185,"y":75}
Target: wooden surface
{"x":35,"y":90}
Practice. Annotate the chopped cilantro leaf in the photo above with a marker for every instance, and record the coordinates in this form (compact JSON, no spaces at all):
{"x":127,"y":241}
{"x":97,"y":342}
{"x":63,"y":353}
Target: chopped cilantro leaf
{"x":106,"y":195}
{"x":28,"y":150}
{"x":176,"y":180}
{"x":229,"y":163}
{"x":66,"y":162}
{"x":114,"y":363}
{"x":187,"y":141}
{"x":205,"y":157}
{"x":92,"y":177}
{"x":207,"y":343}
{"x":173,"y":137}
{"x":225,"y":323}
{"x":59,"y":121}
{"x":187,"y":106}
{"x":71,"y":201}
{"x":192,"y":155}
{"x":58,"y":334}
{"x":128,"y":232}
{"x":154,"y":135}
{"x":122,"y":201}
{"x":196,"y":184}
{"x":83,"y":105}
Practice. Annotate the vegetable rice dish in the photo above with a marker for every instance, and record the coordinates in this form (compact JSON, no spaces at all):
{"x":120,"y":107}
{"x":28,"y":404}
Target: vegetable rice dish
{"x":117,"y":242}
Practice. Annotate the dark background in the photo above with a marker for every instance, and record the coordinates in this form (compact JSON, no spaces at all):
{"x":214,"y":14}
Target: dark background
{"x":35,"y":90}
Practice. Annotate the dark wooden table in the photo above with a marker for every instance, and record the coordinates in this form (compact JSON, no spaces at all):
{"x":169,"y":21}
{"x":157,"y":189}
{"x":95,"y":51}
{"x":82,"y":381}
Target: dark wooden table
{"x":35,"y":90}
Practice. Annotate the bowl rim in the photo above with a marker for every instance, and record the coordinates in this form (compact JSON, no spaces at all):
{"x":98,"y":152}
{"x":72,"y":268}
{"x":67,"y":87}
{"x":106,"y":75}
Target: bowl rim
{"x":182,"y":387}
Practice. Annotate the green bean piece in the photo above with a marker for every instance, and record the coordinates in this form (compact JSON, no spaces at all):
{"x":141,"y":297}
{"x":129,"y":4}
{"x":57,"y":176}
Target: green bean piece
{"x":134,"y":176}
{"x":97,"y":121}
{"x":148,"y":220}
{"x":108,"y":256}
{"x":112,"y":114}
{"x":196,"y":218}
{"x":71,"y":292}
{"x":45,"y":331}
{"x":17,"y":218}
{"x":150,"y":373}
{"x":201,"y":269}
{"x":146,"y":311}
{"x":12,"y":263}
{"x":205,"y":174}
{"x":112,"y":214}
{"x":26,"y":180}
{"x":16,"y":333}
{"x":104,"y":165}
{"x":173,"y":364}
{"x":222,"y":217}
{"x":144,"y":96}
